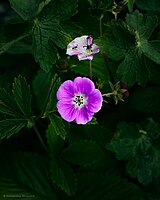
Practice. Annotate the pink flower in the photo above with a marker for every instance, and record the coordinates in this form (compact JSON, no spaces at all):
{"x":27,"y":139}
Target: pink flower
{"x":78,"y":100}
{"x":83,"y":47}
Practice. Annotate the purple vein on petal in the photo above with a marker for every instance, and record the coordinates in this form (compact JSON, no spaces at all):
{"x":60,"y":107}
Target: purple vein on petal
{"x":95,"y":101}
{"x":84,"y":85}
{"x":66,"y":110}
{"x":84,"y":116}
{"x":66,"y":90}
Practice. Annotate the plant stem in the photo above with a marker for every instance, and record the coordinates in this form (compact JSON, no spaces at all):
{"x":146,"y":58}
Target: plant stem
{"x":111,"y":78}
{"x":115,"y":16}
{"x":39,"y":137}
{"x":100,"y":24}
{"x":90,"y":68}
{"x":7,"y":45}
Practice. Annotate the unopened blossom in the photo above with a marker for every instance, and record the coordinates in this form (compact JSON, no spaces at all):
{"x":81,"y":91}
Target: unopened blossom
{"x":119,"y":91}
{"x":83,"y":47}
{"x":78,"y":100}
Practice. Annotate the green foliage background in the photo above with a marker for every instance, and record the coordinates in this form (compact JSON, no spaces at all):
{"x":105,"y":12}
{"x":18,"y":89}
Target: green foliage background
{"x":115,"y":156}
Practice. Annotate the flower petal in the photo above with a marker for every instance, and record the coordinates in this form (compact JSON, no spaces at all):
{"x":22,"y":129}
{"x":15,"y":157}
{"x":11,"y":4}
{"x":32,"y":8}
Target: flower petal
{"x":95,"y":49}
{"x":85,"y":57}
{"x":67,"y":110}
{"x":81,"y":41}
{"x":72,"y":52}
{"x":84,"y":116}
{"x":75,"y":47}
{"x":66,"y":90}
{"x":94,"y":101}
{"x":84,"y":86}
{"x":89,"y":40}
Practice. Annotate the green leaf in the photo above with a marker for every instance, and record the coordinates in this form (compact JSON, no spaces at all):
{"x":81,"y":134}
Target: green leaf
{"x":96,"y":133}
{"x":26,"y":175}
{"x":133,"y":68}
{"x":124,"y":142}
{"x":150,"y":51}
{"x":55,"y":142}
{"x":21,"y":91}
{"x":8,"y":46}
{"x":146,"y":99}
{"x":59,"y":125}
{"x":60,"y":10}
{"x":83,"y":153}
{"x":9,"y":127}
{"x":98,"y":70}
{"x":132,"y":51}
{"x":117,"y":41}
{"x":15,"y":108}
{"x":26,"y":9}
{"x":153,"y":128}
{"x":10,"y":189}
{"x":120,"y":46}
{"x":99,"y":8}
{"x":149,"y":5}
{"x":44,"y":53}
{"x":52,"y":103}
{"x":138,"y":145}
{"x":48,"y":34}
{"x":145,"y":167}
{"x":20,"y":47}
{"x":63,"y":176}
{"x":137,"y":23}
{"x":130,"y":4}
{"x":61,"y":173}
{"x":105,"y":185}
{"x":8,"y":105}
{"x":45,"y":87}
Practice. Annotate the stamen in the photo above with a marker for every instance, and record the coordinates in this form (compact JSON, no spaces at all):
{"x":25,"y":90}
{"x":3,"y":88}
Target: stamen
{"x":79,"y":100}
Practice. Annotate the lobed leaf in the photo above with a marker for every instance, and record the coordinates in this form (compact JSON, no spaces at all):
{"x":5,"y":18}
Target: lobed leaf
{"x":136,"y":144}
{"x":137,"y":23}
{"x":25,"y":175}
{"x":26,"y":9}
{"x":48,"y":34}
{"x":133,"y":68}
{"x":61,"y":173}
{"x":152,"y":6}
{"x":82,"y":153}
{"x":105,"y":185}
{"x":98,"y":70}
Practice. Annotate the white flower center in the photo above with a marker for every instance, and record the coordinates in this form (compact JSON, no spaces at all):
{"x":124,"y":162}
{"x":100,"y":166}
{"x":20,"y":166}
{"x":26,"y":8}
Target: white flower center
{"x":79,"y":100}
{"x":87,"y":49}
